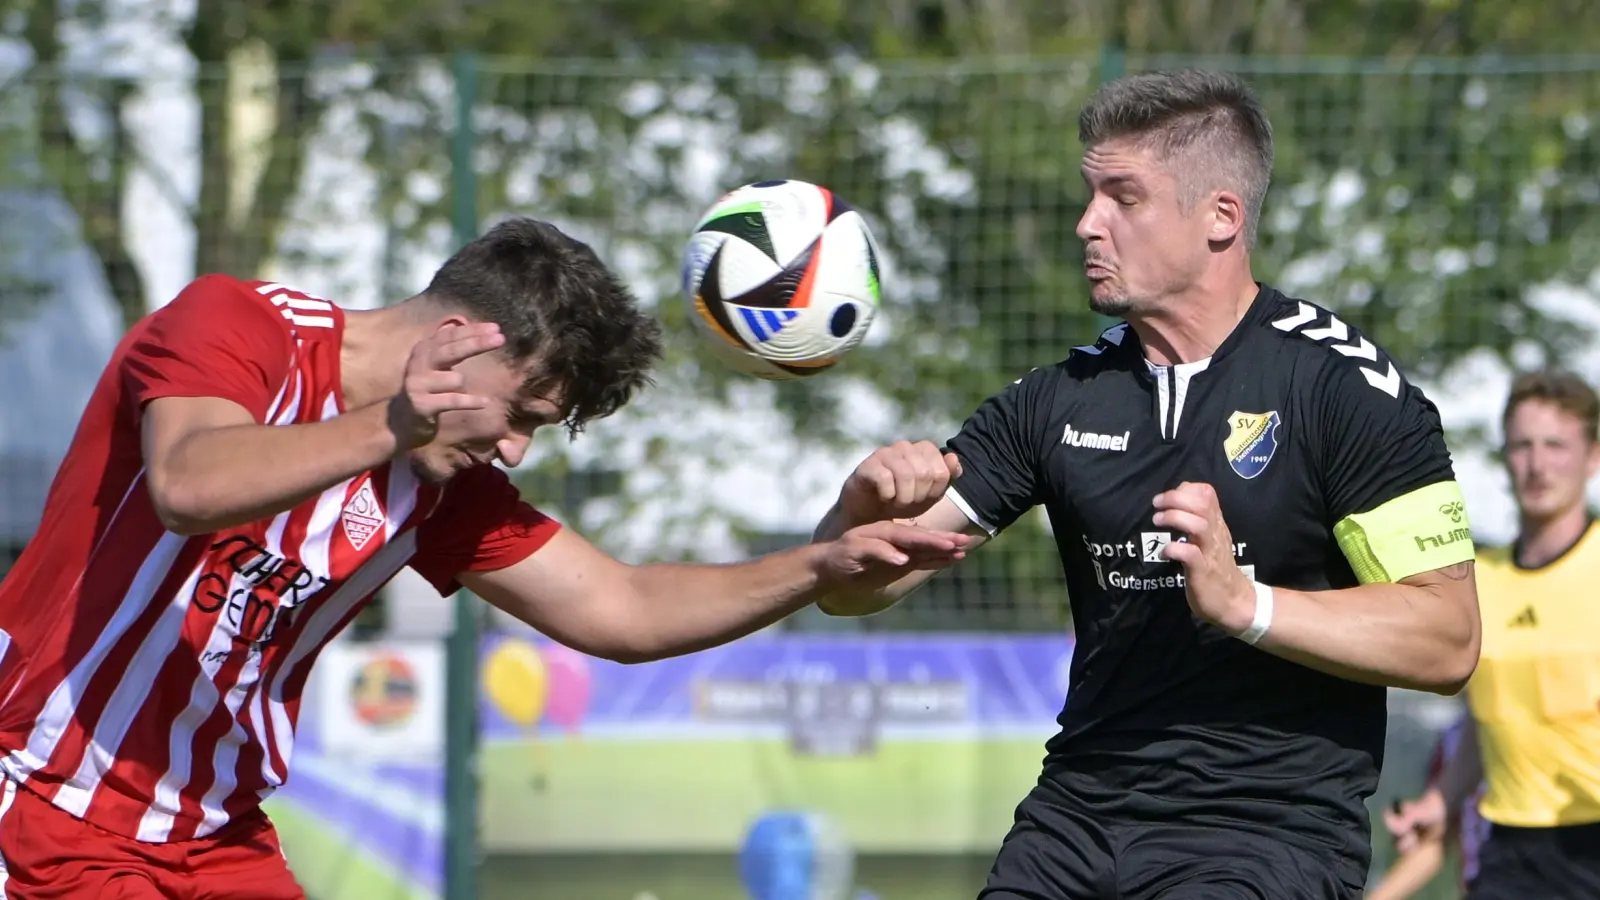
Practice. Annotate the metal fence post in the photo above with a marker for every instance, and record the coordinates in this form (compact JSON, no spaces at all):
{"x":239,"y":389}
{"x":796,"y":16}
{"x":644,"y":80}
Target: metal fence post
{"x":461,"y":649}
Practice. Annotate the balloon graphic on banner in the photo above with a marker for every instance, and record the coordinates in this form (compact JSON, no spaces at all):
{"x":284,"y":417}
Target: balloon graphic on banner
{"x":517,"y":682}
{"x":796,"y":856}
{"x":570,"y":685}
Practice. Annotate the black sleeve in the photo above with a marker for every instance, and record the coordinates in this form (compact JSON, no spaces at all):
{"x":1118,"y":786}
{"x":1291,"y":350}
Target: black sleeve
{"x":1000,"y":446}
{"x":1376,"y":445}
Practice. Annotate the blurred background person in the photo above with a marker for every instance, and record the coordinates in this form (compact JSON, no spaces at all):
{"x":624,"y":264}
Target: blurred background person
{"x":1428,"y":855}
{"x":1535,"y":698}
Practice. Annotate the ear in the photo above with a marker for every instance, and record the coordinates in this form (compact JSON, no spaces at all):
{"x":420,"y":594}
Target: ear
{"x":1227,"y":218}
{"x":1593,"y":463}
{"x":451,"y":319}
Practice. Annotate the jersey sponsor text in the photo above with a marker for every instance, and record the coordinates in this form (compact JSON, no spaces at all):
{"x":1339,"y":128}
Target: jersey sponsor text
{"x":1093,"y":440}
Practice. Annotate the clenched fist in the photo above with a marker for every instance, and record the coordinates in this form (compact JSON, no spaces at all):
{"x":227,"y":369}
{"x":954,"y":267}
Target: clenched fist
{"x":900,"y":481}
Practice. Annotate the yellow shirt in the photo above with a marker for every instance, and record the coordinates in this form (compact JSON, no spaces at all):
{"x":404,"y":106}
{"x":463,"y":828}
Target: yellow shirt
{"x":1536,"y":692}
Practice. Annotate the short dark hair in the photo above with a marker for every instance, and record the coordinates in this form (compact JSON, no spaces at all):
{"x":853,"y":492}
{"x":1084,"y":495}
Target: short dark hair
{"x":556,"y":303}
{"x":1185,"y":112}
{"x":1563,"y":390}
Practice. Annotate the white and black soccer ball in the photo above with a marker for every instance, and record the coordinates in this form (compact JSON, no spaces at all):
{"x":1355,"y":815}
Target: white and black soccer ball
{"x":781,"y":279}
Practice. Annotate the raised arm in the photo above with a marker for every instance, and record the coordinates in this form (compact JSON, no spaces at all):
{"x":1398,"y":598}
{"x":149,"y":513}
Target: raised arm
{"x":980,"y":483}
{"x":208,"y":374}
{"x":210,"y":465}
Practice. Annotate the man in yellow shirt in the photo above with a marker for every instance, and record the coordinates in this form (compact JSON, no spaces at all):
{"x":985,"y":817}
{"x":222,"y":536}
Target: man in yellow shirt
{"x":1535,"y":697}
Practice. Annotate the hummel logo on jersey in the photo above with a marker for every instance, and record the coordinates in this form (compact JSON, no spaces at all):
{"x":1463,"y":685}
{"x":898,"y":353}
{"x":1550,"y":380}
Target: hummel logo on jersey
{"x":1386,"y":380}
{"x":1094,"y":441}
{"x":1426,"y":542}
{"x":1525,"y":619}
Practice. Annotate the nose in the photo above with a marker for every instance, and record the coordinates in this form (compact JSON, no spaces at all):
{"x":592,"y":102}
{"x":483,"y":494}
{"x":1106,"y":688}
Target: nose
{"x":1089,"y":224}
{"x":511,"y":449}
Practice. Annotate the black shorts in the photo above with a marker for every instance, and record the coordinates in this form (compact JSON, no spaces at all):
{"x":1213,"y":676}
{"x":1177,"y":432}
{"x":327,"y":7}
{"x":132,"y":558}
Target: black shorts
{"x":1546,"y":863}
{"x":1055,"y":852}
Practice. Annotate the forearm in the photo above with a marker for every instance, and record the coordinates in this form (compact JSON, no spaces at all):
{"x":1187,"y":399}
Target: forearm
{"x":854,"y":602}
{"x":227,"y":476}
{"x":677,"y":609}
{"x":1396,"y":635}
{"x":1411,"y":872}
{"x":833,"y":524}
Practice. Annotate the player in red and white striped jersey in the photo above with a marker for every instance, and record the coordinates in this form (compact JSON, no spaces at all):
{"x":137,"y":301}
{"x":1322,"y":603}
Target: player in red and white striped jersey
{"x":253,"y":465}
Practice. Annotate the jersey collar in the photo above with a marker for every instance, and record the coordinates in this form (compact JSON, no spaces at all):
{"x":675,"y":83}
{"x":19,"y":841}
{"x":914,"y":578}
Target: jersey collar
{"x":1516,"y":549}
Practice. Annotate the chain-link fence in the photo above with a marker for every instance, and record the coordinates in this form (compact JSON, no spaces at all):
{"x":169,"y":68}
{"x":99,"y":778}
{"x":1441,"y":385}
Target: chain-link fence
{"x":1446,"y":207}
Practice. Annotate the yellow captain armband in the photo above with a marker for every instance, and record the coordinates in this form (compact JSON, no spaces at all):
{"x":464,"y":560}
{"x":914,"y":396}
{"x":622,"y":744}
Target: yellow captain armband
{"x":1421,"y":531}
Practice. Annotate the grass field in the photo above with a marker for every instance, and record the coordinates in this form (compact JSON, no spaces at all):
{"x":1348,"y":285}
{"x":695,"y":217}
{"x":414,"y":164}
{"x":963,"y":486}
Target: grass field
{"x":711,"y":877}
{"x":923,"y":816}
{"x":592,"y":819}
{"x":692,"y":796}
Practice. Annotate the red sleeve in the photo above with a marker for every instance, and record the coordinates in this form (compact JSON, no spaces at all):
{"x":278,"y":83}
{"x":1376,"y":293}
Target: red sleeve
{"x":217,"y":338}
{"x":482,"y":524}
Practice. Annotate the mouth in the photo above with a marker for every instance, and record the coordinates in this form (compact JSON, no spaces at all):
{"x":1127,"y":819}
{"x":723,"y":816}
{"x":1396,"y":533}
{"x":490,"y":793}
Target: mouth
{"x":1096,"y":272}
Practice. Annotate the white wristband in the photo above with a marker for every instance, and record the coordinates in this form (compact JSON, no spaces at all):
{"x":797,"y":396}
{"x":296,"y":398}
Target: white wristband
{"x":1263,"y":619}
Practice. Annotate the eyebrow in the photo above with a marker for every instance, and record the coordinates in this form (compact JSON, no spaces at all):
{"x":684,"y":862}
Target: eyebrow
{"x":1111,"y":181}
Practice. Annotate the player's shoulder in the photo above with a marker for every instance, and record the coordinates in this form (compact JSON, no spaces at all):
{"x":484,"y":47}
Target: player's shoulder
{"x":1110,"y":350}
{"x":297,"y":311}
{"x":1114,"y":350}
{"x":1324,"y":352}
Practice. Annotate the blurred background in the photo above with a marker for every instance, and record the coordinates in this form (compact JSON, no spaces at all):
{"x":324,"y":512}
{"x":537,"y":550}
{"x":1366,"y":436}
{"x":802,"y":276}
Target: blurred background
{"x":1437,"y":183}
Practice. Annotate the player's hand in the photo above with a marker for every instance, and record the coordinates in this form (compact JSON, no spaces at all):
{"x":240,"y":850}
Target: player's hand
{"x":1218,"y":590}
{"x":1416,"y":820}
{"x":900,"y":481}
{"x":871,"y":556}
{"x":432,"y":385}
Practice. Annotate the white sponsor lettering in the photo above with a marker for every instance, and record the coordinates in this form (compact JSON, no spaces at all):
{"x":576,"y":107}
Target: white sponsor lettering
{"x":1148,"y":549}
{"x":1094,"y":441}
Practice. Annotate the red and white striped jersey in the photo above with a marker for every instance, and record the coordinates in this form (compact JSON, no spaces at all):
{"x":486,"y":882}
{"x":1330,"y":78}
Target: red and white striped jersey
{"x":151,"y":682}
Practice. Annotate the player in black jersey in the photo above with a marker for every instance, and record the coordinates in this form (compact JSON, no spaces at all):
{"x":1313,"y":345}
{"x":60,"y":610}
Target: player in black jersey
{"x":1257,"y":520}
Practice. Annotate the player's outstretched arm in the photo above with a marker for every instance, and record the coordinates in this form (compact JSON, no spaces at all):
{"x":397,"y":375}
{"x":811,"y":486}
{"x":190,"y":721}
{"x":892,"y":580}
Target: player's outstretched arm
{"x":903,"y":482}
{"x":580,"y":596}
{"x":211,"y":465}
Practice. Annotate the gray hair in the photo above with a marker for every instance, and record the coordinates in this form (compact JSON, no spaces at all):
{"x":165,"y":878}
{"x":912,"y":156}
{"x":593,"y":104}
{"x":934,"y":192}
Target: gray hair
{"x":1213,"y":119}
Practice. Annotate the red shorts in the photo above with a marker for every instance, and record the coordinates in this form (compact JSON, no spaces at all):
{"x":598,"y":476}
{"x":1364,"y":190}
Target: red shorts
{"x":49,"y":854}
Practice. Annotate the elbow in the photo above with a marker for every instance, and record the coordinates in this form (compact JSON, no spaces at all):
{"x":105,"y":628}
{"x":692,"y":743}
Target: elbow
{"x":1455,"y":672}
{"x":634,"y":658}
{"x":176,"y":505}
{"x":629,"y":653}
{"x":1453,"y":669}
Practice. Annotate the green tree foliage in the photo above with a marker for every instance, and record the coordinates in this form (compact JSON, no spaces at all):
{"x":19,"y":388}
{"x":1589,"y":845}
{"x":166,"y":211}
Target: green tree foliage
{"x":1421,"y":192}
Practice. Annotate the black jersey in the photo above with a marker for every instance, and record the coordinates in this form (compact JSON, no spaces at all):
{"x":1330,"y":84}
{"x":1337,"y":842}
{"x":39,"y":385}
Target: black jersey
{"x":1331,"y":470}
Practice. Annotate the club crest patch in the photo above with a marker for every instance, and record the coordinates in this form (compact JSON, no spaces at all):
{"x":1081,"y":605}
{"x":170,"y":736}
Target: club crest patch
{"x":1252,"y":440}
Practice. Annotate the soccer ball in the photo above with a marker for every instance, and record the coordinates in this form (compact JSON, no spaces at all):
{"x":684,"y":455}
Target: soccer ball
{"x":781,"y":279}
